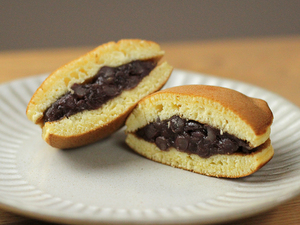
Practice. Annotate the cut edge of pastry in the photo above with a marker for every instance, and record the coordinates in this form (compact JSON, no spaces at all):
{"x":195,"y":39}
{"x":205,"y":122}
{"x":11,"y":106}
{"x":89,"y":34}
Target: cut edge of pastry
{"x":91,"y":125}
{"x":111,"y":54}
{"x":235,"y":165}
{"x":246,"y":118}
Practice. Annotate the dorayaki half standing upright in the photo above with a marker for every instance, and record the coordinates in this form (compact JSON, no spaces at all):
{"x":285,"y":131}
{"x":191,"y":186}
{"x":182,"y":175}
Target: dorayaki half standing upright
{"x":89,"y":98}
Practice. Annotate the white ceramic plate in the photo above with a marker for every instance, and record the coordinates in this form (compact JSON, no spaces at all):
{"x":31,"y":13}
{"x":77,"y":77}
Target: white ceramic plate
{"x":107,"y":182}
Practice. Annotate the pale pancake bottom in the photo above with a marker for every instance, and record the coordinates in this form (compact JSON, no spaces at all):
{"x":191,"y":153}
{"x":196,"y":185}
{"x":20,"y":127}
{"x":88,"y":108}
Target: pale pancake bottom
{"x":230,"y":166}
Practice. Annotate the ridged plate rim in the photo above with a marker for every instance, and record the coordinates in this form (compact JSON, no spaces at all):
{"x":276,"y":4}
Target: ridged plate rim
{"x":250,"y":195}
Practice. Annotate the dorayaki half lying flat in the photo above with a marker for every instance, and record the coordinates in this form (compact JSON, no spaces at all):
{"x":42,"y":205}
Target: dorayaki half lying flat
{"x":209,"y":130}
{"x":89,"y":98}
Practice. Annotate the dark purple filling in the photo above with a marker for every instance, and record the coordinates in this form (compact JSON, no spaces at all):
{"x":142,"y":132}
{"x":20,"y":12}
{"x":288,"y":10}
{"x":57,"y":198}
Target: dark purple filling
{"x":108,"y":83}
{"x":191,"y":137}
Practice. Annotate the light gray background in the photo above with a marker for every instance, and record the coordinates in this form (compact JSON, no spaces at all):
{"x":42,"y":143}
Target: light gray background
{"x":29,"y":24}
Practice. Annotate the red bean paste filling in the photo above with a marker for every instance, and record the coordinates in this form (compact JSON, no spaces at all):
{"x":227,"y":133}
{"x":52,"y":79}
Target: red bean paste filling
{"x":108,"y":83}
{"x":191,"y":137}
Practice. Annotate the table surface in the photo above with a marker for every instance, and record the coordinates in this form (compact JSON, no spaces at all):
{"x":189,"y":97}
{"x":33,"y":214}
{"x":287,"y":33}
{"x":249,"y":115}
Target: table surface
{"x":270,"y":62}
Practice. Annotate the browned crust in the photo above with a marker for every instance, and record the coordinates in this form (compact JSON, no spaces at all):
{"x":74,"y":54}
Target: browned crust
{"x":255,"y":112}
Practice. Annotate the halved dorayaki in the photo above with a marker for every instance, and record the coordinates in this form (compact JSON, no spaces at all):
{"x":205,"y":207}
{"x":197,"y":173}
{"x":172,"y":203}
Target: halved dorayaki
{"x":209,"y":130}
{"x":89,"y":98}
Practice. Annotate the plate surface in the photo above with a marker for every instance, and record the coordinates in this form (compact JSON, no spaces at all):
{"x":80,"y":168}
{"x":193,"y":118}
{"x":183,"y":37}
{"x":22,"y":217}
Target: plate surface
{"x":107,"y":182}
